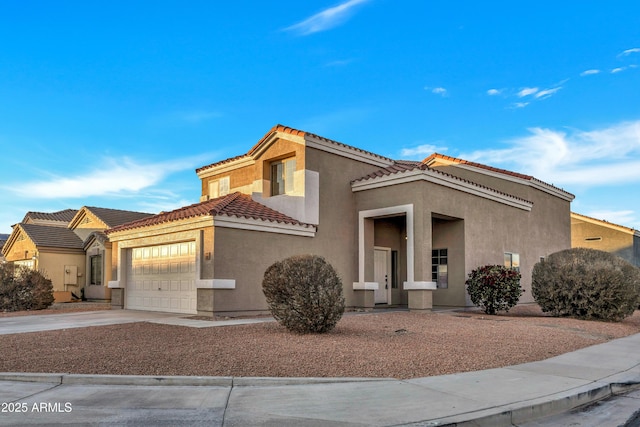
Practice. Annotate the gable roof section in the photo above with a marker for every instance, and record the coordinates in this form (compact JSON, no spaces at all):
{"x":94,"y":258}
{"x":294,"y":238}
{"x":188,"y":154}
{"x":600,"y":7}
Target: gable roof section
{"x":232,"y":205}
{"x":583,"y":218}
{"x":311,"y":140}
{"x":64,"y":216}
{"x":442,"y":159}
{"x":408,"y":171}
{"x":110,"y":217}
{"x":47,"y":236}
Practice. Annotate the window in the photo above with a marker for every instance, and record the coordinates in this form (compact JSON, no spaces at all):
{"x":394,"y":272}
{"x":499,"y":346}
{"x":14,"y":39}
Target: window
{"x":394,"y":269}
{"x":439,"y":267}
{"x":219,"y":187}
{"x":96,"y":269}
{"x":512,"y":260}
{"x":282,"y":176}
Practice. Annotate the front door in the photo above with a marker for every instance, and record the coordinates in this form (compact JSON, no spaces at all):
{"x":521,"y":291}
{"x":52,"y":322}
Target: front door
{"x":381,"y":261}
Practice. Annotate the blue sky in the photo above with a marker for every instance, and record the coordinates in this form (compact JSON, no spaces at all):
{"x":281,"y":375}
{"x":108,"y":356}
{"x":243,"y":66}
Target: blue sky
{"x":114,"y":104}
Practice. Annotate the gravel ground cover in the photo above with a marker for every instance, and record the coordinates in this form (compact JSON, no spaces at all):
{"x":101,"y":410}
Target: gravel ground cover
{"x":380,"y":344}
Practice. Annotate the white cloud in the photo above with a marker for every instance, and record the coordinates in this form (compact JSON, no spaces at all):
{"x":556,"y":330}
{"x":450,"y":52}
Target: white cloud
{"x":494,"y":92}
{"x":617,"y":70}
{"x":546,"y":93}
{"x":439,"y":91}
{"x":630,"y":51}
{"x":421,"y":151}
{"x":590,"y":72}
{"x":601,"y":157}
{"x":519,"y":104}
{"x":527,"y":91}
{"x":327,"y":19}
{"x":112,"y":177}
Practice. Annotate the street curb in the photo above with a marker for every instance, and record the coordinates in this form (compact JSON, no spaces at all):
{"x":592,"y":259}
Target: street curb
{"x":531,"y":410}
{"x":185,"y":381}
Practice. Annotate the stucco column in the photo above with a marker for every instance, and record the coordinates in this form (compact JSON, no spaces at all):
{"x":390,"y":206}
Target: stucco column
{"x":365,"y":287}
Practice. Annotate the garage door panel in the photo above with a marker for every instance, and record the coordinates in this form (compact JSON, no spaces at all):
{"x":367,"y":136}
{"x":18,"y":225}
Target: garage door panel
{"x":162,"y":278}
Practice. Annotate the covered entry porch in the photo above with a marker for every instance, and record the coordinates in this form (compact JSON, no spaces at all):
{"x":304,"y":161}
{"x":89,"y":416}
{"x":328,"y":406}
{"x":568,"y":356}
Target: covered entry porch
{"x":409,"y":259}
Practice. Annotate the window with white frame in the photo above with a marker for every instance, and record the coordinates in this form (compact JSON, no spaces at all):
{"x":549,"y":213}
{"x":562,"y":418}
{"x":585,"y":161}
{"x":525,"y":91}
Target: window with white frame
{"x":512,"y":260}
{"x":282,"y":176}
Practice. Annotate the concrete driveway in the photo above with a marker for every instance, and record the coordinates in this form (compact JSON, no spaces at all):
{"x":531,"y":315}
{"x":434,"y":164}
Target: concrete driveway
{"x":51,"y":322}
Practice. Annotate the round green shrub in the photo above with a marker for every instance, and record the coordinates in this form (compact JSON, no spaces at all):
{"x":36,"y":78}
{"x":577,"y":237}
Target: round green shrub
{"x":587,"y":284}
{"x":494,"y":288}
{"x":304,"y":294}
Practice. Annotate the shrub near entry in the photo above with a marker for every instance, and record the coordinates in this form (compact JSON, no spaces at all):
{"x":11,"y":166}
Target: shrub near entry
{"x":587,"y":284}
{"x":304,"y":294}
{"x":494,"y":288}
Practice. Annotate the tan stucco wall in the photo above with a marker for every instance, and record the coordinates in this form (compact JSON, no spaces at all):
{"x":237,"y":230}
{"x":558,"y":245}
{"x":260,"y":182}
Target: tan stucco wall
{"x":53,"y":266}
{"x":615,"y":241}
{"x":16,"y":252}
{"x":242,"y":179}
{"x":245,"y":255}
{"x":489,"y":228}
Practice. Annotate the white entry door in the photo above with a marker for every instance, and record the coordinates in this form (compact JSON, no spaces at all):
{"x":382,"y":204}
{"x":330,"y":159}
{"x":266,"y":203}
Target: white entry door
{"x":162,"y":278}
{"x":381,"y":263}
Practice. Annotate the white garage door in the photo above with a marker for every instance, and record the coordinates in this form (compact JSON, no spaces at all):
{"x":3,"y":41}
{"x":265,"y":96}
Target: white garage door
{"x":162,"y":278}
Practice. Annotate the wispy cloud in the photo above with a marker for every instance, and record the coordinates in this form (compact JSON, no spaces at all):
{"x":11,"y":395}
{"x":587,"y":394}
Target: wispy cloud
{"x":494,"y":92}
{"x":519,"y":104}
{"x":327,"y":19}
{"x":579,"y":158}
{"x":527,"y":91}
{"x":618,"y":70}
{"x":439,"y":91}
{"x":546,"y":93}
{"x":629,"y":51}
{"x":421,"y":151}
{"x":123,"y":176}
{"x":590,"y":72}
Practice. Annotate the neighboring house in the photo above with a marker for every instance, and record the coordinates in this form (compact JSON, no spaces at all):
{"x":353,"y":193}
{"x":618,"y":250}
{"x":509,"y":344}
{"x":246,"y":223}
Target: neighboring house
{"x":69,"y":247}
{"x":3,"y":240}
{"x":587,"y":232}
{"x":397,"y":232}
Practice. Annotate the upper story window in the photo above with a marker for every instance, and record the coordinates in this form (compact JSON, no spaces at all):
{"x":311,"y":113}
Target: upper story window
{"x":219,"y":187}
{"x":512,"y":260}
{"x":282,"y":176}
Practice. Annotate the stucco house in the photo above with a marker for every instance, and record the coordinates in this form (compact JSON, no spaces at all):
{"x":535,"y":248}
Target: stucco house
{"x":398,"y":232}
{"x":587,"y":232}
{"x":69,"y":247}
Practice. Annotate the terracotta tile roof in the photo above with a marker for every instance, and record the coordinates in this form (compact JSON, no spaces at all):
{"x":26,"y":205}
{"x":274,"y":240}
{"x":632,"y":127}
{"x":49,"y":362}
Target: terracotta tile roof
{"x":290,"y":131}
{"x":406,"y":166}
{"x":435,"y":156}
{"x":61,"y":216}
{"x":57,"y":237}
{"x":235,"y":204}
{"x":491,"y":168}
{"x":115,"y":217}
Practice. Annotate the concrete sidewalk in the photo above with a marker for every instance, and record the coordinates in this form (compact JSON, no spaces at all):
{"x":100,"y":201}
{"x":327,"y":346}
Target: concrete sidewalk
{"x":498,"y":397}
{"x":50,"y":322}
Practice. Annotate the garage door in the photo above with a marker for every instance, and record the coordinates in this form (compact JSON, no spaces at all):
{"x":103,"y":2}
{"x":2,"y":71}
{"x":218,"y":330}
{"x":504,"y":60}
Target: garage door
{"x":162,"y":278}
